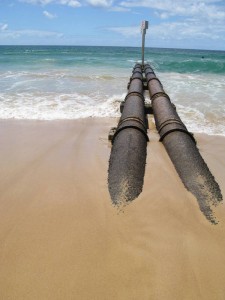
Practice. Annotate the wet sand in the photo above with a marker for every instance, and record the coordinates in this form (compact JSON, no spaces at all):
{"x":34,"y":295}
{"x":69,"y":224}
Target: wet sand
{"x":61,"y":237}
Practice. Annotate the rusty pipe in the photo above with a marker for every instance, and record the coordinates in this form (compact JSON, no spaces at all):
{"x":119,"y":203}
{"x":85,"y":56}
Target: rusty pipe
{"x":128,"y":154}
{"x":181,"y":148}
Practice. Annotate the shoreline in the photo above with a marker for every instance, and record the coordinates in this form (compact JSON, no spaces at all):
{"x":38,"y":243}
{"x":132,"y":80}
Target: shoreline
{"x":61,"y":237}
{"x":113,"y":119}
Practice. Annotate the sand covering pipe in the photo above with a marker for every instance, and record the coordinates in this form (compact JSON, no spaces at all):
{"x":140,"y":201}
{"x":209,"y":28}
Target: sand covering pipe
{"x":128,"y":153}
{"x":181,"y":148}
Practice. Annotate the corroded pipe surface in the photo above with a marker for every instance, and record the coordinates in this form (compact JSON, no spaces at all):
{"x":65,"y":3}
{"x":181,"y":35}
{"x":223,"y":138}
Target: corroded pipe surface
{"x":181,"y":148}
{"x":128,"y":154}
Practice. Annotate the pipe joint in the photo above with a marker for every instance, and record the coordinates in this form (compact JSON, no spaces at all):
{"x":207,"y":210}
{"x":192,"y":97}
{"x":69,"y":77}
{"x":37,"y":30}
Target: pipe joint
{"x":137,"y":71}
{"x":131,"y":122}
{"x":137,"y":66}
{"x":137,"y":94}
{"x":149,"y":72}
{"x":148,"y":69}
{"x":172,"y":125}
{"x":137,"y":76}
{"x":169,"y":122}
{"x":160,"y":94}
{"x":153,"y":78}
{"x":178,"y":129}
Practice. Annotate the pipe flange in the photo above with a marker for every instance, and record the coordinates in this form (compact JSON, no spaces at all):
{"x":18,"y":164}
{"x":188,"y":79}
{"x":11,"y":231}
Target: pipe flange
{"x":149,"y":72}
{"x":137,"y":66}
{"x":135,"y":119}
{"x":133,"y":127}
{"x":178,"y":129}
{"x":140,"y":95}
{"x":136,"y":77}
{"x":137,"y":71}
{"x":153,"y":78}
{"x":142,"y":129}
{"x":159,"y":94}
{"x":170,"y":121}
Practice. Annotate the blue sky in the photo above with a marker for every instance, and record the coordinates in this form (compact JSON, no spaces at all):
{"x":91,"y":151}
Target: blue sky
{"x":172,"y":23}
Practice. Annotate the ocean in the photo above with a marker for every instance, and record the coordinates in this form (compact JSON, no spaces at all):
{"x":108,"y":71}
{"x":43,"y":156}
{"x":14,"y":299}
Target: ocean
{"x":71,"y":82}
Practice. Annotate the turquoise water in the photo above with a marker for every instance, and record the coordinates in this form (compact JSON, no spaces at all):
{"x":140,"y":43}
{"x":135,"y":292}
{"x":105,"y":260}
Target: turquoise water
{"x":66,"y":82}
{"x":164,"y":60}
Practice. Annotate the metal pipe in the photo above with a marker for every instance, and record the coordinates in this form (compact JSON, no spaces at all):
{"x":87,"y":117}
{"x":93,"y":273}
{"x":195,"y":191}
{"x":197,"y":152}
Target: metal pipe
{"x":182,"y":150}
{"x":128,"y":153}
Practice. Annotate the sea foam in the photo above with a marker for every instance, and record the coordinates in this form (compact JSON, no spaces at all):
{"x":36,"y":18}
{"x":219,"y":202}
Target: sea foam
{"x":48,"y":83}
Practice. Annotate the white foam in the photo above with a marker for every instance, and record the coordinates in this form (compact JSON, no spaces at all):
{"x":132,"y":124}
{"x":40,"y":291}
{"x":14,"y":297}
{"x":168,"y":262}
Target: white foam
{"x":199,"y":100}
{"x":66,"y":94}
{"x":198,"y":122}
{"x":53,"y":106}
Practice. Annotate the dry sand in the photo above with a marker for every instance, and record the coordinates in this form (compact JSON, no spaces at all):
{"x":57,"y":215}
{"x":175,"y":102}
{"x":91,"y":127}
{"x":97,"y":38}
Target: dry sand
{"x":61,"y":238}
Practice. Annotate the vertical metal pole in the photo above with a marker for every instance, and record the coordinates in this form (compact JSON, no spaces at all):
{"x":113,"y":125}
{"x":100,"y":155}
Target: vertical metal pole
{"x":144,"y":26}
{"x":143,"y":47}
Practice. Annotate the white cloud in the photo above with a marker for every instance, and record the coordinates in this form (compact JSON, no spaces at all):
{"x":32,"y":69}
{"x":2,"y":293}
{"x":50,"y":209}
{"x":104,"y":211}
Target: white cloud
{"x":197,"y":8}
{"x":180,"y":20}
{"x":204,"y":9}
{"x":162,"y":15}
{"x":71,"y":3}
{"x":3,"y":27}
{"x":48,"y":15}
{"x":173,"y":31}
{"x":28,"y":33}
{"x":119,"y":9}
{"x":39,"y":33}
{"x":78,"y":3}
{"x":127,"y":32}
{"x":100,"y":3}
{"x":42,"y":2}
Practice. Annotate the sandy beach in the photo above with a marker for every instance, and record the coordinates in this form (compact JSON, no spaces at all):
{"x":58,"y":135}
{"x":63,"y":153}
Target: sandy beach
{"x":61,"y":237}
